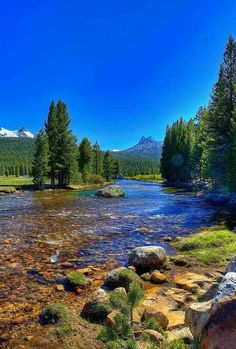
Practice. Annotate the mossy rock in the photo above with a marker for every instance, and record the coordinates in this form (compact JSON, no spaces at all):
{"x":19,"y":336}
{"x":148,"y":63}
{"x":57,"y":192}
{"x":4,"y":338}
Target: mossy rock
{"x":112,"y":191}
{"x":122,"y":277}
{"x":55,"y":313}
{"x":76,"y":279}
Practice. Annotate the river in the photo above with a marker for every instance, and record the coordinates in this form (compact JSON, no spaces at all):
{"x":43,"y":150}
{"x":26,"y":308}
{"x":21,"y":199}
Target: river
{"x":59,"y":226}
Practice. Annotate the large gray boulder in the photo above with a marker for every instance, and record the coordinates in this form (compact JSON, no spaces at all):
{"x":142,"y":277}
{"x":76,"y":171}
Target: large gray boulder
{"x":148,"y":257}
{"x":112,"y":191}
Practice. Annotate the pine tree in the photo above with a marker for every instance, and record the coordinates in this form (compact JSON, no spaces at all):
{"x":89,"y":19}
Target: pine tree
{"x":40,"y":162}
{"x":85,"y":158}
{"x":51,"y":127}
{"x":66,"y":147}
{"x":232,"y":154}
{"x":108,"y":166}
{"x":116,"y":169}
{"x":97,"y":159}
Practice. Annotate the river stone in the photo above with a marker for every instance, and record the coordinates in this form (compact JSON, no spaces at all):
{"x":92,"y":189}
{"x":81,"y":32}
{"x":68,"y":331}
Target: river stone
{"x":121,"y":277}
{"x":232,"y":265}
{"x":220,"y":331}
{"x":7,"y":190}
{"x":148,"y":257}
{"x":112,"y":191}
{"x":154,"y":336}
{"x":157,"y":277}
{"x":196,"y":317}
{"x":98,"y":307}
{"x":153,"y":311}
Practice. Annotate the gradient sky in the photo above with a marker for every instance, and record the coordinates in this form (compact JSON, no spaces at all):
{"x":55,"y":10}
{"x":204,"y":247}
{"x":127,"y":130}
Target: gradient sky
{"x":126,"y":68}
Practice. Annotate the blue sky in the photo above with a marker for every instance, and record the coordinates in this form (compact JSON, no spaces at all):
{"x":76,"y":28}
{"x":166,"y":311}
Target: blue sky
{"x":126,"y":68}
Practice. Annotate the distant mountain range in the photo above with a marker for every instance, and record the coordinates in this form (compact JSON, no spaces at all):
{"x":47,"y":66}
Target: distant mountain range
{"x":20,"y":132}
{"x":147,"y":147}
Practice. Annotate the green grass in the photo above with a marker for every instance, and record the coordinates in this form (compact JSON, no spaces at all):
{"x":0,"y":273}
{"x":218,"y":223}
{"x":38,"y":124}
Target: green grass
{"x":155,"y":178}
{"x":214,"y":246}
{"x":18,"y":181}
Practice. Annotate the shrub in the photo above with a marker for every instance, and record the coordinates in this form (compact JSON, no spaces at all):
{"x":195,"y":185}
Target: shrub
{"x":77,"y":279}
{"x":95,"y":179}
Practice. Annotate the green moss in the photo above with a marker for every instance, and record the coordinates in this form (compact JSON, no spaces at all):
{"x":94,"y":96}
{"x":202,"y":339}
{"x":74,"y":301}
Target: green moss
{"x":213,"y":246}
{"x":77,"y":279}
{"x":55,"y":313}
{"x":154,"y":178}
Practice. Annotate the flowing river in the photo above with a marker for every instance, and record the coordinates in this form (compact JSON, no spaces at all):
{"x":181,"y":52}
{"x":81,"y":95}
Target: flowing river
{"x":50,"y":227}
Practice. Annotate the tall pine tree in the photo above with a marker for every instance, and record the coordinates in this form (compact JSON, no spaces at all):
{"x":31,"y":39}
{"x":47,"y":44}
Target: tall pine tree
{"x":40,"y":162}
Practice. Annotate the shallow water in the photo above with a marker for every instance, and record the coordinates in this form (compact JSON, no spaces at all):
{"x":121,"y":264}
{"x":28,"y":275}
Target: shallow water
{"x":46,"y":228}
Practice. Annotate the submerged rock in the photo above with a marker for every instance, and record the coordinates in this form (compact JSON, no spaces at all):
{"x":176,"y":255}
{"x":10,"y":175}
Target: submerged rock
{"x":148,"y":257}
{"x":121,"y":277}
{"x":112,"y":191}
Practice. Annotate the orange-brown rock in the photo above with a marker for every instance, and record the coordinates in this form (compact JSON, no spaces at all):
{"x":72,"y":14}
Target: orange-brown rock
{"x":220,"y":331}
{"x":157,"y":277}
{"x":154,"y":336}
{"x":153,"y":311}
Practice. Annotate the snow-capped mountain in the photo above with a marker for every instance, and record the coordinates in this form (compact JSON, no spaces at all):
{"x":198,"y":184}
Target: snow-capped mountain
{"x":20,"y":132}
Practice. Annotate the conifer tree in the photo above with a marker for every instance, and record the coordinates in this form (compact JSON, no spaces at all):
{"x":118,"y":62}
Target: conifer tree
{"x":85,"y":158}
{"x":66,"y":147}
{"x":51,"y":127}
{"x":116,"y":169}
{"x":108,"y":166}
{"x":97,"y":159}
{"x":40,"y":162}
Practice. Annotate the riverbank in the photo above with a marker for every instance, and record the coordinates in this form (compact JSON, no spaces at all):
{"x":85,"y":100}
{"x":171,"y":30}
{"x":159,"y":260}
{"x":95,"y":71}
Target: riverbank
{"x":11,"y":184}
{"x":153,"y":178}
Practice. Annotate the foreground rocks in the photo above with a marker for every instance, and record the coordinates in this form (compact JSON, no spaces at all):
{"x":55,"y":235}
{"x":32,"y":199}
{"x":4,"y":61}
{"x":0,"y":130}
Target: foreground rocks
{"x":97,"y":309}
{"x":112,"y":191}
{"x":148,"y":257}
{"x":214,"y":322}
{"x":121,"y":277}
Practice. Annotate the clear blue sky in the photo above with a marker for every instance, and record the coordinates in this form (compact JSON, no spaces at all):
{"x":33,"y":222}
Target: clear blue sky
{"x":126,"y":68}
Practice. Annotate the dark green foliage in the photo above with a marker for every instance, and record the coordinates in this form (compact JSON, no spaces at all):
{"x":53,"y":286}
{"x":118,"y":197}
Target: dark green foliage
{"x":85,"y":158}
{"x":97,"y":159}
{"x":16,"y":156}
{"x":67,"y":151}
{"x":132,"y":165}
{"x":122,"y":332}
{"x":40,"y":162}
{"x":108,"y":166}
{"x":51,"y":127}
{"x":206,"y":148}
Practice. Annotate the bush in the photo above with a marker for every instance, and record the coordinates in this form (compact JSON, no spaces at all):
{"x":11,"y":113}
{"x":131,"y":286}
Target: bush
{"x":77,"y":279}
{"x":95,"y":179}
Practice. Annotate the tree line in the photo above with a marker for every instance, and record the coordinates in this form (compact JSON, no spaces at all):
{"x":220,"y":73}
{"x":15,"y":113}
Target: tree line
{"x":58,"y":157}
{"x":204,"y":148}
{"x":16,"y":155}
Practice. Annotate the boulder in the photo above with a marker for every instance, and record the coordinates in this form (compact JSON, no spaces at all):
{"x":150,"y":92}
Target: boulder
{"x":232,"y":265}
{"x":220,"y":330}
{"x":98,"y":307}
{"x":146,"y":276}
{"x":154,"y":336}
{"x":148,"y":257}
{"x":112,"y":191}
{"x":121,"y":277}
{"x":157,"y":277}
{"x":152,"y":311}
{"x":177,"y":334}
{"x":7,"y":190}
{"x":196,"y":317}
